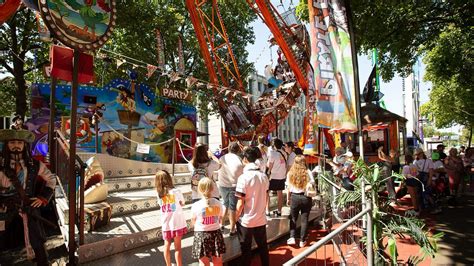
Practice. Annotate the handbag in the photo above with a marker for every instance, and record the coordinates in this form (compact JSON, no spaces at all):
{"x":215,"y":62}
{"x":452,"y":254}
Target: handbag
{"x":310,"y":190}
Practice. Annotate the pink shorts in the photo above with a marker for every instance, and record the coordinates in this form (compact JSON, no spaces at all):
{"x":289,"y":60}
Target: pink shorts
{"x":168,"y":235}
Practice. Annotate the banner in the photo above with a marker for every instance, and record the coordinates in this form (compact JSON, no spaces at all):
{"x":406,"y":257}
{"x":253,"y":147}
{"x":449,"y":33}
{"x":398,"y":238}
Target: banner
{"x":180,"y":55}
{"x":332,"y":63}
{"x":160,"y":50}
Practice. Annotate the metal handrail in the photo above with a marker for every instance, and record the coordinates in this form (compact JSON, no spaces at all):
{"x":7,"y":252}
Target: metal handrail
{"x":302,"y":256}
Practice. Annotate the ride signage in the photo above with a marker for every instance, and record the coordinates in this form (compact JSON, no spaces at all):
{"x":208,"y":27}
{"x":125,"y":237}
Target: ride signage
{"x":183,"y":95}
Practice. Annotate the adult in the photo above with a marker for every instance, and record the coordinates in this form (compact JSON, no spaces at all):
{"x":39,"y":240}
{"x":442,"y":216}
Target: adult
{"x":386,"y":173}
{"x":410,"y":173}
{"x":290,"y":150}
{"x":203,"y":163}
{"x":298,"y":178}
{"x":468,"y":161}
{"x":395,"y":155}
{"x":25,"y":185}
{"x":455,"y":169}
{"x":231,"y":169}
{"x":277,"y":169}
{"x":440,"y":150}
{"x":262,"y":162}
{"x":251,"y":191}
{"x":425,"y":168}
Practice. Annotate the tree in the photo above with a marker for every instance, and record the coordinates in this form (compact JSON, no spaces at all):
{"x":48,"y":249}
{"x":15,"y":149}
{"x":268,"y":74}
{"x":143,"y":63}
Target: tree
{"x":402,"y":31}
{"x":7,"y":92}
{"x":134,"y":36}
{"x":449,"y":67}
{"x":19,"y":43}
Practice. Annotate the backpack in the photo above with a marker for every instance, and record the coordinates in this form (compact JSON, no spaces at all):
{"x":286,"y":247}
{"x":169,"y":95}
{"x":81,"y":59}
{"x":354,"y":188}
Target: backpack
{"x":198,"y":174}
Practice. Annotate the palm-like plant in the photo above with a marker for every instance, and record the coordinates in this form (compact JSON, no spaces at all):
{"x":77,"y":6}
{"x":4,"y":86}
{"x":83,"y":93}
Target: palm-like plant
{"x":386,"y":224}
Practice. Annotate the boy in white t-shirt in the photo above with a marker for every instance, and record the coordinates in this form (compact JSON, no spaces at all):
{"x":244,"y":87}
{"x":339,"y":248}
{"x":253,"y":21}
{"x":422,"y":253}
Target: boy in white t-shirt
{"x":251,"y":191}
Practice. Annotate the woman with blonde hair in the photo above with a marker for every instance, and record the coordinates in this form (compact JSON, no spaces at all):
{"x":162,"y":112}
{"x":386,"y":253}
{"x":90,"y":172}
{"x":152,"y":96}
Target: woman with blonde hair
{"x":298,"y":179}
{"x":207,"y":215}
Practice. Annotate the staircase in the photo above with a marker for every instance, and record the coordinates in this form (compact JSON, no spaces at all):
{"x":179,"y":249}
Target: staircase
{"x":135,"y":218}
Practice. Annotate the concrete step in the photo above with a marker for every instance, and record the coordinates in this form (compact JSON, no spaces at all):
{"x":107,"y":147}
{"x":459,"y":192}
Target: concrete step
{"x":125,"y":202}
{"x":150,"y":252}
{"x":130,"y":231}
{"x":116,"y":184}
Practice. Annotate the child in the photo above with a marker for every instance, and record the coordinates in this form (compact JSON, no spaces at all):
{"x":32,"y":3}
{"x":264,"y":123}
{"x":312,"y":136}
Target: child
{"x":207,"y":215}
{"x":173,"y":221}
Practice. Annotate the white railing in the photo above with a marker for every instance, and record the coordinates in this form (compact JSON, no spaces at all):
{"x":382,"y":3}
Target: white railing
{"x":347,"y":248}
{"x":313,"y":248}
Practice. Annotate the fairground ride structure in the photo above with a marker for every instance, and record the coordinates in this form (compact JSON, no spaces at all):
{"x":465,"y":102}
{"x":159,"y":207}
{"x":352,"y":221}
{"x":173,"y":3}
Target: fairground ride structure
{"x":243,"y":119}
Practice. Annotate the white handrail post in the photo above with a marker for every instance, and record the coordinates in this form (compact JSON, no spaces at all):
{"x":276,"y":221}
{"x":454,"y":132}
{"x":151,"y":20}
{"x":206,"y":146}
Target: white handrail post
{"x":370,"y":248}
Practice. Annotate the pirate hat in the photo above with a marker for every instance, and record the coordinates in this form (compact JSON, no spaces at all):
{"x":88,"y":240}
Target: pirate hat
{"x":12,"y":134}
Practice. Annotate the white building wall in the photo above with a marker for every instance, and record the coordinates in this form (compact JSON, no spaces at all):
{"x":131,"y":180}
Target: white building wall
{"x":411,"y":89}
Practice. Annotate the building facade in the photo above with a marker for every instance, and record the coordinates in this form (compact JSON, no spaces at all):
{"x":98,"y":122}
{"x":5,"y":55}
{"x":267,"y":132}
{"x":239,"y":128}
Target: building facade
{"x":411,"y":106}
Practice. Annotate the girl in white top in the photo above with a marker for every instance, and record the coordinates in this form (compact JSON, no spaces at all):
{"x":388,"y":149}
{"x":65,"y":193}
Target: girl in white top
{"x":298,"y":179}
{"x":207,"y":214}
{"x":173,"y":222}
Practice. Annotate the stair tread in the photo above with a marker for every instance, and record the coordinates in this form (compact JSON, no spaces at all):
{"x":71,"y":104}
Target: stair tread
{"x":134,"y":178}
{"x":140,"y":194}
{"x":130,"y":224}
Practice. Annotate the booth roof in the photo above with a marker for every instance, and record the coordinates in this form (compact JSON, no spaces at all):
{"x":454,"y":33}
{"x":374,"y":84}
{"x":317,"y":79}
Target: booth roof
{"x":373,"y":114}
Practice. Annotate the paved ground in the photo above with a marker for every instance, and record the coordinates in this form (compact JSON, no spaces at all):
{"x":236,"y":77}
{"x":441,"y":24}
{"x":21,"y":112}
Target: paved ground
{"x":457,"y":223}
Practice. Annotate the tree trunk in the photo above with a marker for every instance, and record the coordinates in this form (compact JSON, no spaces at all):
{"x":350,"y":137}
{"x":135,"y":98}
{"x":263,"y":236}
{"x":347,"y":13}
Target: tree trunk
{"x":470,"y":137}
{"x":21,"y":106}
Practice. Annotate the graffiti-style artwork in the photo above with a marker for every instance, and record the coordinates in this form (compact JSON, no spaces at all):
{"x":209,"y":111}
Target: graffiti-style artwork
{"x":127,"y":113}
{"x":82,"y":24}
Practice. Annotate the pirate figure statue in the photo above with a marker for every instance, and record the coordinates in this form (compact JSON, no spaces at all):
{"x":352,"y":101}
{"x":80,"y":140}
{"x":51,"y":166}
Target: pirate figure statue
{"x":25,"y":185}
{"x":17,"y":122}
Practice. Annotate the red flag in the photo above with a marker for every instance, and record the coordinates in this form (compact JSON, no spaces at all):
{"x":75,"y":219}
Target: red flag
{"x":7,"y":9}
{"x":150,"y":70}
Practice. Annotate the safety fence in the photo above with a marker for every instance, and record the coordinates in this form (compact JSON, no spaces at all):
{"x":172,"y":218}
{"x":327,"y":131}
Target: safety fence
{"x":348,"y":223}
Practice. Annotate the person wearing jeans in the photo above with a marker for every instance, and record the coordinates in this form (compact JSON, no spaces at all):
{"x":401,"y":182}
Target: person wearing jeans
{"x":297,"y":179}
{"x":251,"y":192}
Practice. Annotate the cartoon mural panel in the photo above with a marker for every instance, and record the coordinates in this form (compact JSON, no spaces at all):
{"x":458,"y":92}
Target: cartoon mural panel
{"x":129,"y":113}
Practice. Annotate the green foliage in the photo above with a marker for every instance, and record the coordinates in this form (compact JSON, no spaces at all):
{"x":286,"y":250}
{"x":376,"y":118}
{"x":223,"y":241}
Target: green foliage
{"x":403,"y":30}
{"x":7,"y":91}
{"x":134,"y":36}
{"x":450,"y":68}
{"x":19,"y":44}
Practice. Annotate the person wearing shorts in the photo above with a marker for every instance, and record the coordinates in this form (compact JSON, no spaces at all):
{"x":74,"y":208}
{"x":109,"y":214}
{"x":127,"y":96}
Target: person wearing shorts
{"x":231,"y":169}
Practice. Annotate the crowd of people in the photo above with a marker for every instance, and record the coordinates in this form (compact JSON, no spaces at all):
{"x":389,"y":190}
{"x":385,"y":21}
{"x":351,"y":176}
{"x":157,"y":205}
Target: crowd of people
{"x":236,"y":187}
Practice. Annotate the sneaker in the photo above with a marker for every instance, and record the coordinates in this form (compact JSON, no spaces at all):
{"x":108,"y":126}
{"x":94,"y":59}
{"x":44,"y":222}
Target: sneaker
{"x":302,"y":244}
{"x":268,"y":214}
{"x":277,"y":213}
{"x":291,"y":241}
{"x":233,"y":233}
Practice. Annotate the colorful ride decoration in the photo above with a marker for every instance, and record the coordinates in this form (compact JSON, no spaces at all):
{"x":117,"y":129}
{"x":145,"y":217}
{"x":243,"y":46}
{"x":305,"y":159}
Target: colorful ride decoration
{"x":7,"y":9}
{"x":159,"y":119}
{"x":84,"y":25}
